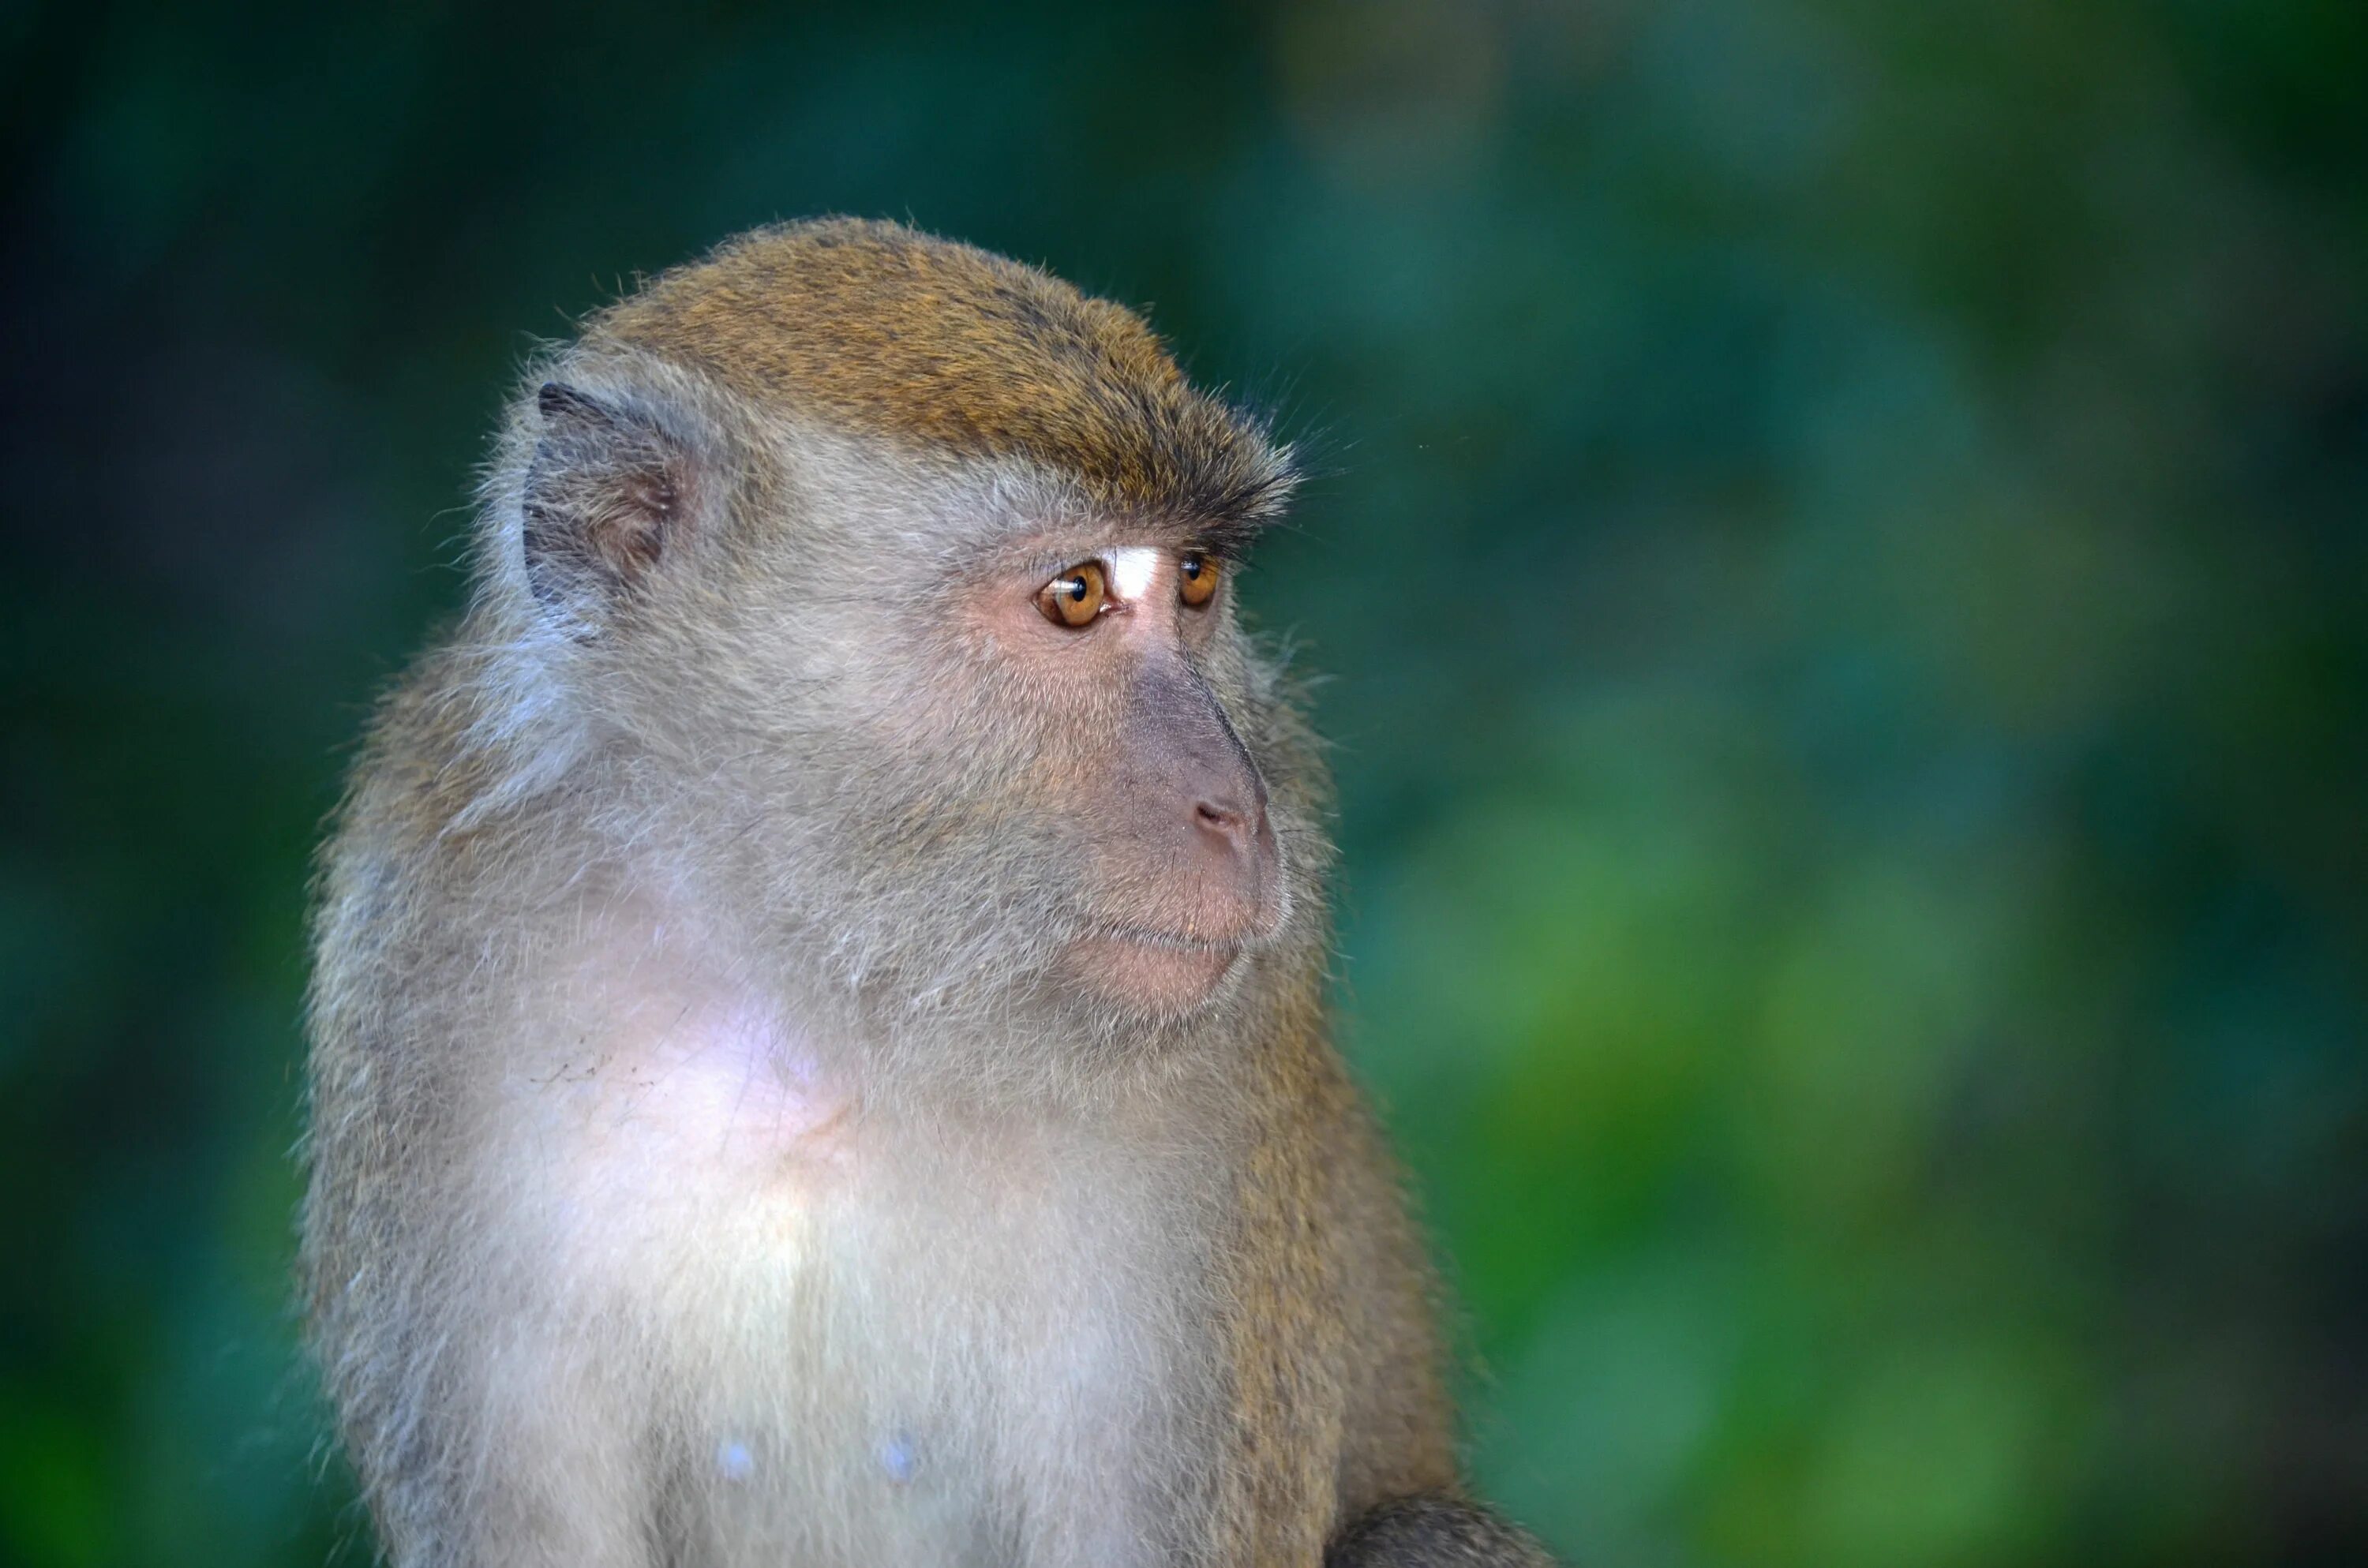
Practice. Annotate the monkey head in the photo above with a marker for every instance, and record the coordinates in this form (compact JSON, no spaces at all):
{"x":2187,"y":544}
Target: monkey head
{"x":892,"y":585}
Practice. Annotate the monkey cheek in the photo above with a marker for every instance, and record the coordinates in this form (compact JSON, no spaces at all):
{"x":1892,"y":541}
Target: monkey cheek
{"x":1149,"y":976}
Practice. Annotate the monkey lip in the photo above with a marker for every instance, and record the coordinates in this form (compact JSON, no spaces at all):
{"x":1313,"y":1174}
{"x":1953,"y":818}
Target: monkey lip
{"x":1160,"y":970}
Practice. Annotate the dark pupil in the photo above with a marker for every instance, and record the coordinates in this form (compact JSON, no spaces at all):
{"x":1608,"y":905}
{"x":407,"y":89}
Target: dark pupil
{"x":1077,"y":588}
{"x":1193,"y":566}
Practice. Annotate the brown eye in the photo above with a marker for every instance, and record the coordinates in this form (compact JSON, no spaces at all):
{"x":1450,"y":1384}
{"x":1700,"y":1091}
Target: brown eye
{"x":1074,"y":597}
{"x":1196,"y":579}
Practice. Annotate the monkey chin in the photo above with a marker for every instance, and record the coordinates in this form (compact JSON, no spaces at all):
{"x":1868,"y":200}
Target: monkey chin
{"x":1156,"y":975}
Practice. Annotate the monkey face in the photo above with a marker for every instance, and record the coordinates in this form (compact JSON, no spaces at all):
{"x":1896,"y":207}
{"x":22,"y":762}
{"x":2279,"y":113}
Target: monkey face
{"x":1065,"y":762}
{"x":1178,"y":865}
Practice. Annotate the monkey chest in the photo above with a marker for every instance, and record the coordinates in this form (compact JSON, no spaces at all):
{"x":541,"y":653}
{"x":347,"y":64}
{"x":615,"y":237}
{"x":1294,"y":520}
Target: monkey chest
{"x":931,"y":1360}
{"x":848,"y":1340}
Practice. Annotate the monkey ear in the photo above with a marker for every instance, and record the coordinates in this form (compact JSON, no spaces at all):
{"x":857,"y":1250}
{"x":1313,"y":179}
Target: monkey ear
{"x":607,"y":493}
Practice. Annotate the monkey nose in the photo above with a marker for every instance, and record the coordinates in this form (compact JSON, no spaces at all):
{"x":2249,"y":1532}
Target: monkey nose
{"x":1230,"y":822}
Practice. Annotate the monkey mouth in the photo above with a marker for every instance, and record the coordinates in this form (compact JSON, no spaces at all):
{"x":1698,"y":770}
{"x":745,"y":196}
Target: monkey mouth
{"x":1161,"y":971}
{"x":1171,"y":941}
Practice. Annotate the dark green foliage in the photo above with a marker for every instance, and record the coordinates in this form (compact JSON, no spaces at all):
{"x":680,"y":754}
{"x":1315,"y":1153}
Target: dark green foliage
{"x":1845,"y":559}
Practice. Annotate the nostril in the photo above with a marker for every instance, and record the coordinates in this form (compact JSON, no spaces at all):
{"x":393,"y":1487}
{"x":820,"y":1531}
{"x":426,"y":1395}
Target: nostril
{"x":1222,"y":816}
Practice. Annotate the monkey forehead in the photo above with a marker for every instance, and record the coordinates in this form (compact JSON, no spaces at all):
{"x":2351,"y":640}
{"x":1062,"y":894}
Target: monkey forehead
{"x":887,"y":331}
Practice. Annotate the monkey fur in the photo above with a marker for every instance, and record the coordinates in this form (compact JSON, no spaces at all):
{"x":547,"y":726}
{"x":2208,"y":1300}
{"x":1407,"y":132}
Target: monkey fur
{"x":813,"y":1061}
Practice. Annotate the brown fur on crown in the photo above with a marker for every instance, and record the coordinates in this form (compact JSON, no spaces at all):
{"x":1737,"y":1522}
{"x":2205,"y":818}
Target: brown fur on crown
{"x":886,"y":331}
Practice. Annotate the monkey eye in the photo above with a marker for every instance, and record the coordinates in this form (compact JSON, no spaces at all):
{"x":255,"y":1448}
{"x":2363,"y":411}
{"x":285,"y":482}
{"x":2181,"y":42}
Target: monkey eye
{"x":1076,"y":597}
{"x":1196,"y":578}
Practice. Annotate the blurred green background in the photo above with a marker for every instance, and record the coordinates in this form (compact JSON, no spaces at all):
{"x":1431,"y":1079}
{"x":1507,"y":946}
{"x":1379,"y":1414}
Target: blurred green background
{"x":1845,"y":573}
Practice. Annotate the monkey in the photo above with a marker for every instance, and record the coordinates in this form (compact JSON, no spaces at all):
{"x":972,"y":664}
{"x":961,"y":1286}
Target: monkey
{"x":819,"y":1043}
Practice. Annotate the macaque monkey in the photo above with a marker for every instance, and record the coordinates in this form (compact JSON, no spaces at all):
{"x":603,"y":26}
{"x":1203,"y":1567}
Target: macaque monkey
{"x":818,"y":1042}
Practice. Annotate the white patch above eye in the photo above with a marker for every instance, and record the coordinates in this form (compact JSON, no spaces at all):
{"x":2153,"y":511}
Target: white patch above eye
{"x":1132,"y":570}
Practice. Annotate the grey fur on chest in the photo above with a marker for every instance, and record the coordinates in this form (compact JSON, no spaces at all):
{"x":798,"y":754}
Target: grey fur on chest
{"x":967,"y":1388}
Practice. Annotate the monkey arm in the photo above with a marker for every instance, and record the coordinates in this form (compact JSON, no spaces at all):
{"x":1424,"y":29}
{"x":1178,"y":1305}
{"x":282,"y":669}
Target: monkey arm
{"x":1401,"y":1504}
{"x":1398,"y":1436}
